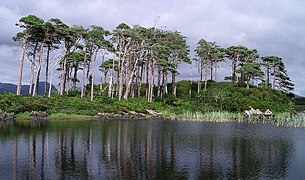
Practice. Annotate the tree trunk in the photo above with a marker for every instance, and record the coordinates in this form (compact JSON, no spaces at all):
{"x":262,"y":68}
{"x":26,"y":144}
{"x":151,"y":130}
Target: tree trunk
{"x":147,"y":79}
{"x":120,"y":88}
{"x":165,"y":91}
{"x":20,"y":69}
{"x":63,"y":75}
{"x":215,"y":71}
{"x":200,"y":76}
{"x":32,"y":69}
{"x":268,"y":75}
{"x":75,"y":77}
{"x":206,"y":77}
{"x":174,"y":90}
{"x":47,"y":69}
{"x":273,"y":83}
{"x":130,"y":78}
{"x":174,"y":85}
{"x":234,"y":66}
{"x":83,"y":75}
{"x":141,"y":79}
{"x":151,"y":82}
{"x":110,"y":91}
{"x":159,"y":81}
{"x":248,"y":83}
{"x":38,"y":70}
{"x":211,"y":70}
{"x":133,"y":89}
{"x":92,"y":75}
{"x":51,"y":78}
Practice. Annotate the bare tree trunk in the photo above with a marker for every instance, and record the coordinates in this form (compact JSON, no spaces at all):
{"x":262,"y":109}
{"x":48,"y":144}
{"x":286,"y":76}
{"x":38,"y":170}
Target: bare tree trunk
{"x":174,"y":85}
{"x":88,"y":72}
{"x":75,"y":77}
{"x":248,"y":83}
{"x":215,"y":71}
{"x":211,"y":70}
{"x":141,"y":79}
{"x":273,"y":83}
{"x":31,"y":76}
{"x":63,"y":75}
{"x":110,"y":92}
{"x":151,"y":82}
{"x":51,"y":79}
{"x":83,"y":75}
{"x":234,"y":66}
{"x":120,"y":83}
{"x":268,"y":75}
{"x":165,"y":91}
{"x":101,"y":84}
{"x":105,"y":76}
{"x":47,"y":69}
{"x":174,"y":90}
{"x":38,"y":71}
{"x":206,"y":77}
{"x":20,"y":69}
{"x":159,"y":81}
{"x":92,"y":76}
{"x":199,"y":75}
{"x":147,"y":80}
{"x":132,"y":89}
{"x":130,"y":79}
{"x":32,"y":69}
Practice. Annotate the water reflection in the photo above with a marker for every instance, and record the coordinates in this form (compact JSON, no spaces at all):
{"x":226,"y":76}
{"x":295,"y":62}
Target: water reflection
{"x":146,"y":149}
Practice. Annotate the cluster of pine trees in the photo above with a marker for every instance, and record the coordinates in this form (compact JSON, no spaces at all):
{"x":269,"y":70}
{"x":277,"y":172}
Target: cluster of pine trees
{"x":247,"y":66}
{"x":132,"y":58}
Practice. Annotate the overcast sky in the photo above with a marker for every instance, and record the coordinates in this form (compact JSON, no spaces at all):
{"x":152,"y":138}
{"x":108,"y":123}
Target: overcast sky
{"x":273,"y":27}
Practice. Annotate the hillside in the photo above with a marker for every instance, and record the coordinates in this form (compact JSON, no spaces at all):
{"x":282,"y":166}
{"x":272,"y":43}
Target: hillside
{"x":8,"y":87}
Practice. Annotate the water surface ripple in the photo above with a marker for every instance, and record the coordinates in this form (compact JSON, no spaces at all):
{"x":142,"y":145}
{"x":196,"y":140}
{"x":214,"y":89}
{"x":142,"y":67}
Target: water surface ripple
{"x":150,"y":149}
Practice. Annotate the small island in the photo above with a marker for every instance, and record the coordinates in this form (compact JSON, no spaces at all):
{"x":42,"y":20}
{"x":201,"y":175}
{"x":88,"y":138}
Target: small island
{"x":152,"y":90}
{"x":134,"y":71}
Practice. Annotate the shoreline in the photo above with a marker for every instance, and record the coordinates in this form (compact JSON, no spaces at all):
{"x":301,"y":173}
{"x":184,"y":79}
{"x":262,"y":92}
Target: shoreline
{"x":283,"y":119}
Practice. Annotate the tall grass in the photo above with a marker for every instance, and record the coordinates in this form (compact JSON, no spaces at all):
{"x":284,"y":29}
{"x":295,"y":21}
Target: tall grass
{"x":290,"y":120}
{"x":281,"y":119}
{"x":205,"y":117}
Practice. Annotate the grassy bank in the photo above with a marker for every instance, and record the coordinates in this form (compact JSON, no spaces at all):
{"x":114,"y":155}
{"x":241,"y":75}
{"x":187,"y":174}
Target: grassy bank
{"x":280,"y":119}
{"x":221,"y":102}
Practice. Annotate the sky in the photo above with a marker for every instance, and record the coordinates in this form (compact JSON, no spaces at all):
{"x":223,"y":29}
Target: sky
{"x":273,"y":27}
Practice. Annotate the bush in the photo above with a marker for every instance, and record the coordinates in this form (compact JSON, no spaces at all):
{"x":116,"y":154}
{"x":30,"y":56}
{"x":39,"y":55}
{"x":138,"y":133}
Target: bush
{"x":224,"y":96}
{"x":170,"y":99}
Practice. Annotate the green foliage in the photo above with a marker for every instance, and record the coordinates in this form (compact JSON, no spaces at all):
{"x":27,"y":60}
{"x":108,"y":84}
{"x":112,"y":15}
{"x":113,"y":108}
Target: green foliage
{"x":170,"y":99}
{"x":73,"y":93}
{"x":226,"y":97}
{"x":184,"y":88}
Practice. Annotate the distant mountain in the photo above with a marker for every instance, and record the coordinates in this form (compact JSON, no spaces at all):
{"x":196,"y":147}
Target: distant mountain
{"x":297,"y":96}
{"x":8,"y":87}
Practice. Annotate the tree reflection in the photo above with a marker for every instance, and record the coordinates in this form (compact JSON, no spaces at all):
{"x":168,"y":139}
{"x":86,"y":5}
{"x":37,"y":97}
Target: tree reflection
{"x":143,"y":149}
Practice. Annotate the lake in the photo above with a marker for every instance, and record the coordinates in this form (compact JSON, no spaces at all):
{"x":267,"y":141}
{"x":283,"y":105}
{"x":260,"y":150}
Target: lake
{"x":150,"y":149}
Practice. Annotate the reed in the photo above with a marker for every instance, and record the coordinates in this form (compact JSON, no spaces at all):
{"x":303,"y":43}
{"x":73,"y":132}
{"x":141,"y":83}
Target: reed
{"x":290,"y":120}
{"x":204,"y":117}
{"x":281,"y":119}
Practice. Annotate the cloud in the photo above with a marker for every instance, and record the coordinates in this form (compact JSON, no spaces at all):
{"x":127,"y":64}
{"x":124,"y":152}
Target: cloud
{"x":274,"y":27}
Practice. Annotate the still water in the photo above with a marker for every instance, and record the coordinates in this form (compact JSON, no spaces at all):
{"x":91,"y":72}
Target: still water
{"x":150,"y":149}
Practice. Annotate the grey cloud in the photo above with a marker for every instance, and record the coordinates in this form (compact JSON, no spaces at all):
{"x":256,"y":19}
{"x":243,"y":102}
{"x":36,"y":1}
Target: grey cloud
{"x":274,"y":27}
